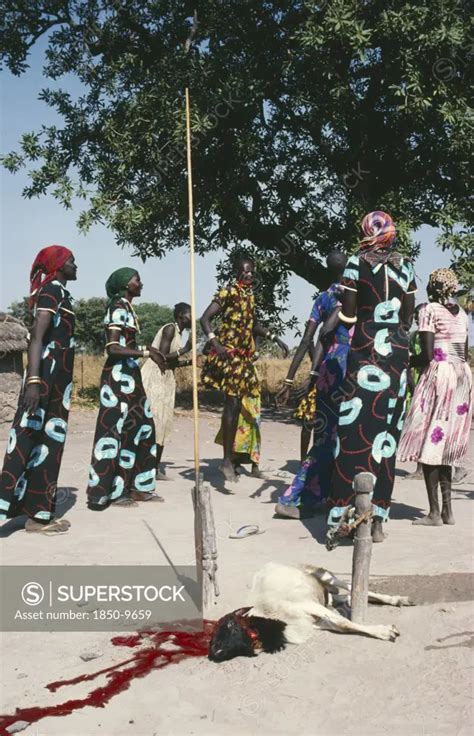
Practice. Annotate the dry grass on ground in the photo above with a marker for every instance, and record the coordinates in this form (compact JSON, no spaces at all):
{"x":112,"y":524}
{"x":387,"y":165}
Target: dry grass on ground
{"x":88,"y":368}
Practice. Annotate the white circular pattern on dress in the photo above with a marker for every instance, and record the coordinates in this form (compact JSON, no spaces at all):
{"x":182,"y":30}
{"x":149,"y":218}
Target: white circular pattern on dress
{"x":117,"y":487}
{"x":143,"y":433}
{"x":117,"y":372}
{"x":67,"y":396}
{"x":106,"y":448}
{"x":37,"y":456}
{"x":388,"y":311}
{"x":373,"y":378}
{"x":20,"y":487}
{"x":382,"y":342}
{"x":33,"y":421}
{"x":352,"y":407}
{"x":93,"y":478}
{"x":145,"y":482}
{"x":384,"y":446}
{"x":124,"y":415}
{"x":56,"y":428}
{"x":107,"y":396}
{"x":127,"y":459}
{"x":11,"y":441}
{"x":403,"y":382}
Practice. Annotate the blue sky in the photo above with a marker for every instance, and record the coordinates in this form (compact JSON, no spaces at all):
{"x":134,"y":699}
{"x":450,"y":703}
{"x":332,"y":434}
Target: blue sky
{"x":28,"y":225}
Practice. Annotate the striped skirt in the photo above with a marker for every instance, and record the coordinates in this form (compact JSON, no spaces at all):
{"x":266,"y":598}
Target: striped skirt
{"x":436,"y":429}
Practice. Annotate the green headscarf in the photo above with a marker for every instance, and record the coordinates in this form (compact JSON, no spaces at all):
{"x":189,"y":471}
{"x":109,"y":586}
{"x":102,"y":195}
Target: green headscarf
{"x":116,"y":284}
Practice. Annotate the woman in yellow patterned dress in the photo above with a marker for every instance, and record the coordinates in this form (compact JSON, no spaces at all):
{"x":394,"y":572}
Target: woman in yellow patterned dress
{"x":229,"y":366}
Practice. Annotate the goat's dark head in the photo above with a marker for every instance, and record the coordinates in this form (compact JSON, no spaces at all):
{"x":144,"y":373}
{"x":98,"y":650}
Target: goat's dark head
{"x":238,"y":635}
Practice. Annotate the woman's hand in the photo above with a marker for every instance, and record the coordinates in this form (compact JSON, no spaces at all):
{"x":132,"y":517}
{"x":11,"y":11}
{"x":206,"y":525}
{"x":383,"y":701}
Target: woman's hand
{"x":218,"y":348}
{"x":304,"y":390}
{"x":31,"y":398}
{"x":283,"y":395}
{"x":158,"y":358}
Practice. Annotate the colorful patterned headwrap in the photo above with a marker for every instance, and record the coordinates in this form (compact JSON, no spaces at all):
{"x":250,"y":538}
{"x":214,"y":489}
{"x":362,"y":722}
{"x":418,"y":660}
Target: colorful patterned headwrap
{"x":442,"y":284}
{"x":45,"y":267}
{"x":379,"y":231}
{"x":116,"y":284}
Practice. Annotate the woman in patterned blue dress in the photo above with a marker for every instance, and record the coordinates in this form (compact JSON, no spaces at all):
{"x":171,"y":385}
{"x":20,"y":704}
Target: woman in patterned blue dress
{"x":28,"y":482}
{"x":123,"y":466}
{"x":379,"y":288}
{"x":311,"y":485}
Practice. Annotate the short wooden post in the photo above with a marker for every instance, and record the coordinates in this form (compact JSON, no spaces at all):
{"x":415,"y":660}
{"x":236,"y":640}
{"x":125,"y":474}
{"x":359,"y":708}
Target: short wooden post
{"x":363,"y":485}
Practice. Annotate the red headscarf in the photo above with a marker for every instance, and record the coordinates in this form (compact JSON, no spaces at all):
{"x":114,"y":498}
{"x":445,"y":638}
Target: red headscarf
{"x":45,"y":267}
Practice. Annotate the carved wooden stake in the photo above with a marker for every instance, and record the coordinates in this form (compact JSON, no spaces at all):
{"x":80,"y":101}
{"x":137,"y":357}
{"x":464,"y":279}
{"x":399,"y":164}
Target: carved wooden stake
{"x":363,"y":485}
{"x":205,"y":543}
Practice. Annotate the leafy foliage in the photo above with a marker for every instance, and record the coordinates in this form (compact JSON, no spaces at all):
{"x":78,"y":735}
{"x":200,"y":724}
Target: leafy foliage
{"x":305,"y":115}
{"x":151,"y":317}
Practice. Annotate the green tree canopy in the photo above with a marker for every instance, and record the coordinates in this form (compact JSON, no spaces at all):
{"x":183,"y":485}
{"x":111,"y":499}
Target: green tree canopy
{"x":151,"y":317}
{"x":305,"y":116}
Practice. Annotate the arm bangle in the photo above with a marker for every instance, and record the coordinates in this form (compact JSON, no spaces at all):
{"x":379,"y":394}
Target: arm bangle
{"x":146,"y":353}
{"x":114,"y":342}
{"x":349,"y":320}
{"x":33,"y":379}
{"x":288,"y":381}
{"x":211,"y":336}
{"x":314,"y":373}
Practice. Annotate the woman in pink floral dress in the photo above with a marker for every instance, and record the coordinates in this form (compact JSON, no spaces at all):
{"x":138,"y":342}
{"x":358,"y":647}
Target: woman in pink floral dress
{"x":436,"y":430}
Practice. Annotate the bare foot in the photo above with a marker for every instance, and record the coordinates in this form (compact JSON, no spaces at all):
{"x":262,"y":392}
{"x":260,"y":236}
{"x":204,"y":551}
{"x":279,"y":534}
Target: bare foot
{"x":289,"y":512}
{"x":229,"y":472}
{"x":428,"y":521}
{"x":447,"y":518}
{"x":377,"y":533}
{"x":257,"y":473}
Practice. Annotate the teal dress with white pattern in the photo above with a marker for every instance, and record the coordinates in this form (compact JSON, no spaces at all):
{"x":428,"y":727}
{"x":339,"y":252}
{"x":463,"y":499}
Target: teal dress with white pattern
{"x":124,"y":453}
{"x":28,"y":482}
{"x":372,"y":396}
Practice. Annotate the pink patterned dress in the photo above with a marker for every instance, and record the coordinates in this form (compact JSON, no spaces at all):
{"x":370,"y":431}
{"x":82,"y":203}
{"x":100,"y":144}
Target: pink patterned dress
{"x":436,"y":429}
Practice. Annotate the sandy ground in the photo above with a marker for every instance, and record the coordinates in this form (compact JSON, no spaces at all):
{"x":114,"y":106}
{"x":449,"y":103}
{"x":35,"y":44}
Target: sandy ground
{"x":332,"y":685}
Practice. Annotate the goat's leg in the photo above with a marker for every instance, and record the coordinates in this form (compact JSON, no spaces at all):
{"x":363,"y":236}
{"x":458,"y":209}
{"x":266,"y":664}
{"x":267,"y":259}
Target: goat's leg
{"x":334,"y":584}
{"x":390,"y":600}
{"x":325,"y":618}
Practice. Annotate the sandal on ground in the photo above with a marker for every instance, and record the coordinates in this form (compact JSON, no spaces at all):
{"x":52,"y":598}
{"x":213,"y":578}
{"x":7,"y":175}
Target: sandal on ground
{"x":124,"y":502}
{"x":248,"y":530}
{"x":150,"y":498}
{"x":56,"y":526}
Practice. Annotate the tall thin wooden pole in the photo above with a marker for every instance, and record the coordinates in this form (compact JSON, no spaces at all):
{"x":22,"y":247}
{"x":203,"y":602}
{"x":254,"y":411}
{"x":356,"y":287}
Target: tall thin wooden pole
{"x":193,"y":291}
{"x":204,"y":527}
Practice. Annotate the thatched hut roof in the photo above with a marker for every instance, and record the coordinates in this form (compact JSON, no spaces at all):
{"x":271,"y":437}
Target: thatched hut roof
{"x":13,"y":334}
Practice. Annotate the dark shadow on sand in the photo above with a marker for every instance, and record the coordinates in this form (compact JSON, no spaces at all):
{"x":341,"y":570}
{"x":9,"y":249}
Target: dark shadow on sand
{"x":65,"y":500}
{"x":404,"y":511}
